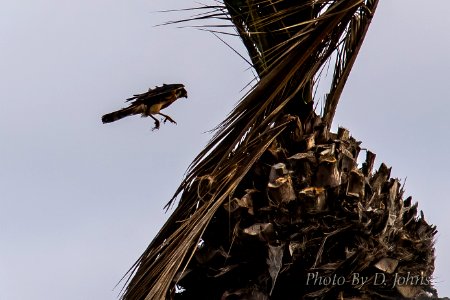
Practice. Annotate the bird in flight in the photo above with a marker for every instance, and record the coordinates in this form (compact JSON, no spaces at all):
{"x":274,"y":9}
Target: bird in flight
{"x":150,"y":103}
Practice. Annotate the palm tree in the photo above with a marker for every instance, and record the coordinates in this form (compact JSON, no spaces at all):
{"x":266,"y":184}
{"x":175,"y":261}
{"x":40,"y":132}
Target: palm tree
{"x":276,"y":206}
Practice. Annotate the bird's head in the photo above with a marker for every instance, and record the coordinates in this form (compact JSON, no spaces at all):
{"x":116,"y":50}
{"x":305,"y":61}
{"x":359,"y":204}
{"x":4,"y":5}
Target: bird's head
{"x":182,"y":93}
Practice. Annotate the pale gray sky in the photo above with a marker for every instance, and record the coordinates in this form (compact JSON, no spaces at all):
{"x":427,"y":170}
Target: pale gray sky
{"x":80,"y":201}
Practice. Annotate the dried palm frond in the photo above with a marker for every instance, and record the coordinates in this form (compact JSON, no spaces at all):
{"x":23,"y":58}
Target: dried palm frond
{"x":269,"y":29}
{"x":288,"y":42}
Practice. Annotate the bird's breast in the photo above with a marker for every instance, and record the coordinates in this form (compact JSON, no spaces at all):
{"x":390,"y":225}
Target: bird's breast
{"x":155,"y":108}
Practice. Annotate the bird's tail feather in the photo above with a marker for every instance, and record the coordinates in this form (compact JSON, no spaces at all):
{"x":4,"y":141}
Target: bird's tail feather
{"x":117,"y":115}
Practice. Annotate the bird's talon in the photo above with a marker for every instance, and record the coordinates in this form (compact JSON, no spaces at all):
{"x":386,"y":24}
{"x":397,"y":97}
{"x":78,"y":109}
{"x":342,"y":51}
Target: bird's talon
{"x":170,"y":120}
{"x":156,"y":126}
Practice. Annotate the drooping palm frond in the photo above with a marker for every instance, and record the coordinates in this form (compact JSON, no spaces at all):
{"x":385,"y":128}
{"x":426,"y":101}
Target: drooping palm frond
{"x":288,"y":43}
{"x":269,"y":28}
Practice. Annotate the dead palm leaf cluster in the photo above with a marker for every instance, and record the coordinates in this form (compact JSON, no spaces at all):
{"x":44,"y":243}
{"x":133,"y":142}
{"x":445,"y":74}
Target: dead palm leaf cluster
{"x":275,"y":196}
{"x":306,"y":223}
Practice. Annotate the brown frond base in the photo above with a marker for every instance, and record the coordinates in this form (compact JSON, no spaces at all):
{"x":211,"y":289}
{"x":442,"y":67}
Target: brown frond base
{"x":308,"y":223}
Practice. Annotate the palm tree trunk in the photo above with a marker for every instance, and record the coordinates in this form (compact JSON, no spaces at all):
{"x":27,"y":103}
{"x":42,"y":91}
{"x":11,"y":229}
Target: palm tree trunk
{"x":307,"y":223}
